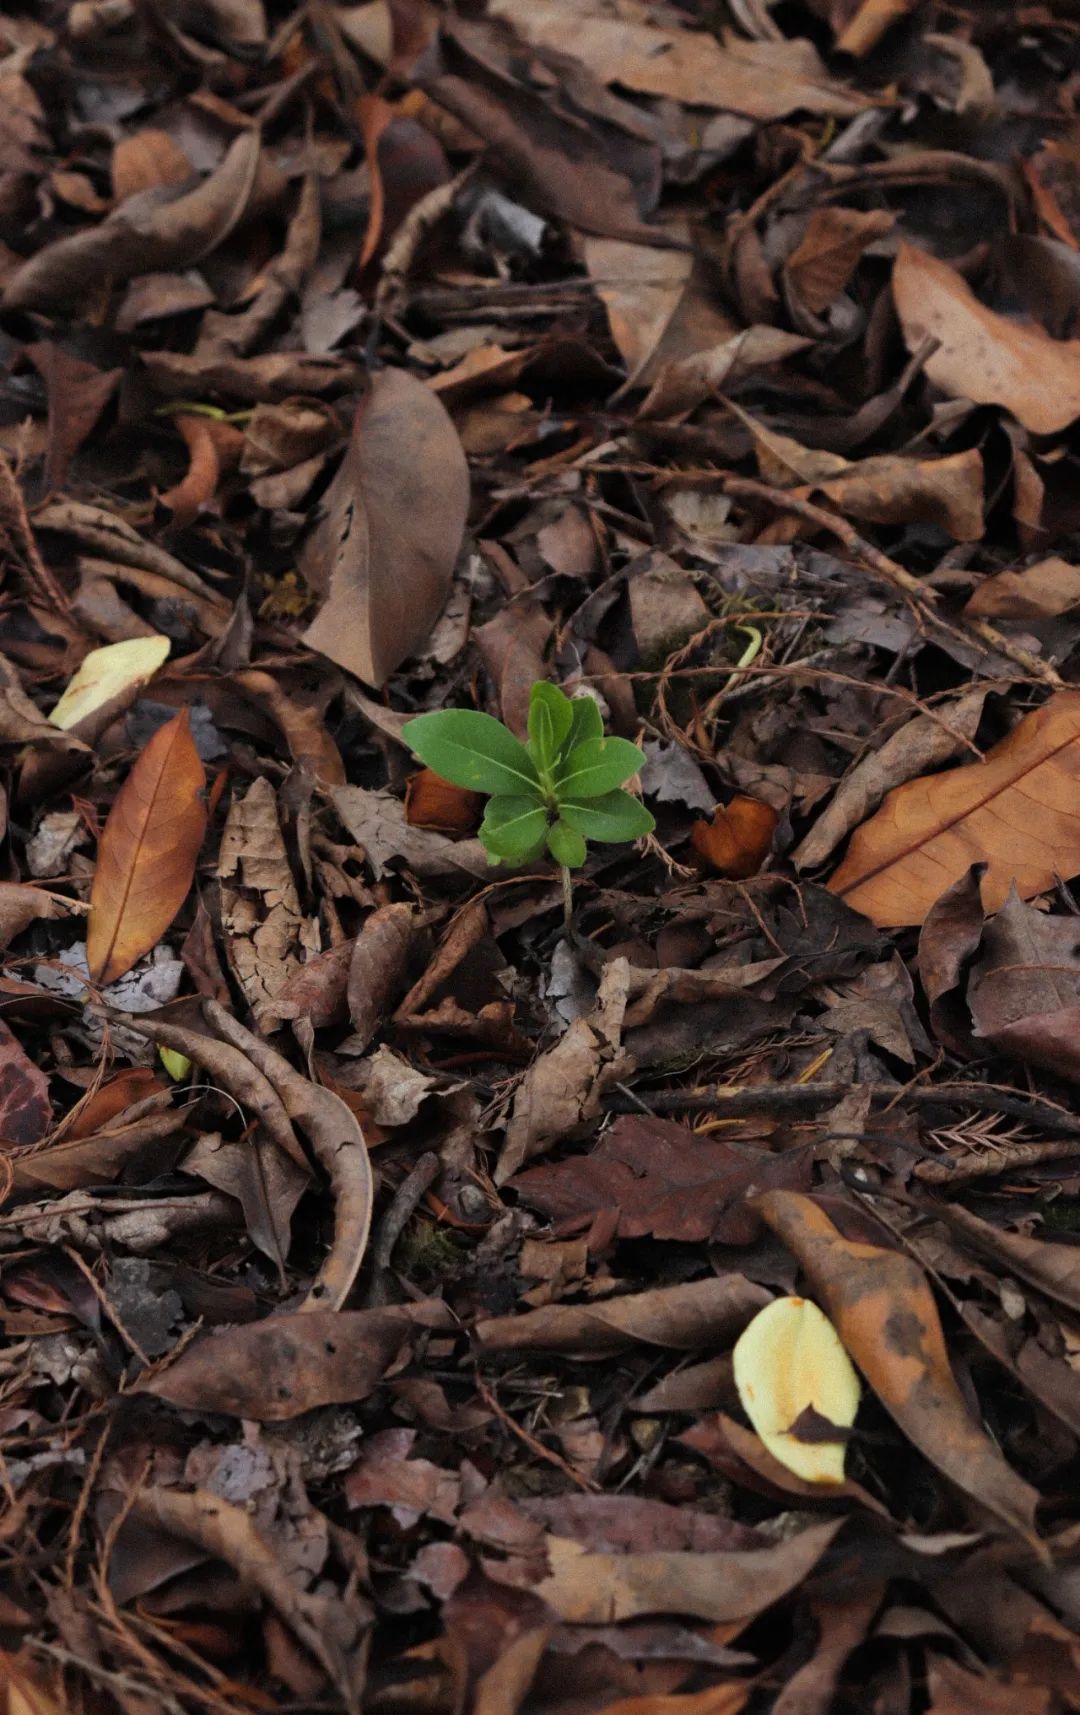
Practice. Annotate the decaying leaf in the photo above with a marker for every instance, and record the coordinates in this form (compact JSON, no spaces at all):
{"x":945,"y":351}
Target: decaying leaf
{"x":382,"y":556}
{"x":738,"y":839}
{"x":147,"y":852}
{"x":789,"y":1362}
{"x":25,"y":1111}
{"x":1024,"y":991}
{"x":686,"y":1317}
{"x":265,"y":932}
{"x":1012,"y":811}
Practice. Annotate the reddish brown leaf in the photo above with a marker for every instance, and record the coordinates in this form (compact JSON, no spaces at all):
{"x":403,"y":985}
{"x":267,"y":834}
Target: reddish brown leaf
{"x":146,"y":857}
{"x":212,"y":449}
{"x":662,"y":1179}
{"x":431,"y":802}
{"x":147,"y":160}
{"x":829,"y":253}
{"x":738,"y":839}
{"x":25,"y":1112}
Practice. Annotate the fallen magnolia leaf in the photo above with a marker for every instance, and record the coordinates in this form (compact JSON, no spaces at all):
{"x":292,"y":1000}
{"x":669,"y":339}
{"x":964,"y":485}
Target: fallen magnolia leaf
{"x":885,"y":1314}
{"x":106,"y":675}
{"x":738,"y":839}
{"x":147,"y":853}
{"x":382,"y":555}
{"x":1014,"y":811}
{"x":980,"y":355}
{"x":787,"y":1362}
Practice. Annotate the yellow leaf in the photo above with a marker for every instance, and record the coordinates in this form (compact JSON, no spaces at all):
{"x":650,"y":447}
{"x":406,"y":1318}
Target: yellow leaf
{"x":176,"y":1064}
{"x":106,"y":674}
{"x":787,"y":1361}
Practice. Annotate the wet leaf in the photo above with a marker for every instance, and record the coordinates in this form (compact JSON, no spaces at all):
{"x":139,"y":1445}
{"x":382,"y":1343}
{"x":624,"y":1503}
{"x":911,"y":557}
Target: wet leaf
{"x":147,"y":853}
{"x":788,"y":1362}
{"x":383,"y":555}
{"x":929,"y":831}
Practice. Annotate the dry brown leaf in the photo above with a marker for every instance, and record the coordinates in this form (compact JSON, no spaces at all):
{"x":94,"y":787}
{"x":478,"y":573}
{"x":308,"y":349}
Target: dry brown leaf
{"x":266,"y":936}
{"x":886,"y":1316}
{"x":1013,"y":811}
{"x":213,"y":448}
{"x":685,"y":382}
{"x":1043,"y":591}
{"x":661,"y":305}
{"x":981,"y":355}
{"x":78,"y":393}
{"x":379,"y":969}
{"x":700,"y":1313}
{"x":1024,"y":990}
{"x":20,"y":904}
{"x":718,"y":1700}
{"x":383,"y":554}
{"x":870,"y":22}
{"x":147,"y":160}
{"x":761,"y":79}
{"x":922,"y":743}
{"x":595,"y":1589}
{"x":562,"y":1089}
{"x":277,"y":1369}
{"x":431,"y":802}
{"x":738,"y":839}
{"x":147,"y":853}
{"x":828,"y":255}
{"x":25,"y":1112}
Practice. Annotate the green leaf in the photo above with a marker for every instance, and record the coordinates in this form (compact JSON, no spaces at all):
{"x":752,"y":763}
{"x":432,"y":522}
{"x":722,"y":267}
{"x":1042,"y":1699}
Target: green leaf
{"x":615,"y":817}
{"x":551,"y":716}
{"x":586,"y":722}
{"x":513,"y":826}
{"x":596,"y":767}
{"x":565,"y":845}
{"x":473,"y":750}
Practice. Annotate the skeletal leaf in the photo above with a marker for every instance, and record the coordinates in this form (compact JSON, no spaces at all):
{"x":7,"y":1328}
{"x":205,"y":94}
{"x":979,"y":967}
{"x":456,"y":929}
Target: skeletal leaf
{"x":789,"y":1361}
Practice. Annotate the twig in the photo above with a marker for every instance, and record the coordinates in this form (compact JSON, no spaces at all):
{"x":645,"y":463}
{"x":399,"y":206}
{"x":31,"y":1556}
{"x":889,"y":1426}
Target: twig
{"x":873,"y":560}
{"x":14,"y":515}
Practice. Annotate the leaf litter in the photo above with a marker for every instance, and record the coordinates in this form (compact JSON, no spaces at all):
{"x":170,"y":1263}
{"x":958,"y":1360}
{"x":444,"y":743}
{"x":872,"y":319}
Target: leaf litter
{"x":421,"y":1291}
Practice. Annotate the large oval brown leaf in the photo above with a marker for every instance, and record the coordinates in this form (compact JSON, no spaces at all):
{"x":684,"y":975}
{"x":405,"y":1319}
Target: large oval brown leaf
{"x":147,"y":854}
{"x":1016,"y":811}
{"x":981,"y":355}
{"x":383,"y":553}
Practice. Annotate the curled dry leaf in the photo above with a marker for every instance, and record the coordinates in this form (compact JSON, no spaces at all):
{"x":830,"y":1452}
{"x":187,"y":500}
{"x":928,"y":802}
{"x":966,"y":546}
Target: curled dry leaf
{"x":147,"y":853}
{"x":1014,"y":811}
{"x":378,"y":969}
{"x":699,"y":1313}
{"x":20,"y":904}
{"x":277,"y":1369}
{"x":884,"y":1313}
{"x":594,"y":1588}
{"x":787,"y":1362}
{"x":382,"y":555}
{"x":108,"y":674}
{"x":738,"y":839}
{"x":829,"y":252}
{"x":1024,"y":991}
{"x":922,"y":743}
{"x":981,"y":355}
{"x":265,"y":933}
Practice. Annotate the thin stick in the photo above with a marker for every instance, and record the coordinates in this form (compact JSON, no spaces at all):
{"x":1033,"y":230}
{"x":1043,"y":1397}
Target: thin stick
{"x":873,"y":560}
{"x":567,"y":901}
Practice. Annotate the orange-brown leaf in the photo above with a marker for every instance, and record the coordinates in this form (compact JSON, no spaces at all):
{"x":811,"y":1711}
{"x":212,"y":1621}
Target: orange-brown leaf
{"x":432,"y":802}
{"x":737,"y":840}
{"x":830,"y":250}
{"x":1016,"y":811}
{"x":147,"y":854}
{"x":885,"y":1314}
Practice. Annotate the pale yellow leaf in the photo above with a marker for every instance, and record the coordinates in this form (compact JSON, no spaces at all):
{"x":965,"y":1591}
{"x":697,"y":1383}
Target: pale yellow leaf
{"x":106,"y":674}
{"x":787,"y":1361}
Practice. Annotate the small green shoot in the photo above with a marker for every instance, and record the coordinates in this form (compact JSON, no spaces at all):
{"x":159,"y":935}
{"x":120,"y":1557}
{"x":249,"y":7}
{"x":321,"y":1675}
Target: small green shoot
{"x":559,"y":790}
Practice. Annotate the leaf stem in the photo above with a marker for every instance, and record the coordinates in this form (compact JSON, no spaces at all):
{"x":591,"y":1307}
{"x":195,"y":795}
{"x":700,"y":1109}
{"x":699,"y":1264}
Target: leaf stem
{"x":567,"y":901}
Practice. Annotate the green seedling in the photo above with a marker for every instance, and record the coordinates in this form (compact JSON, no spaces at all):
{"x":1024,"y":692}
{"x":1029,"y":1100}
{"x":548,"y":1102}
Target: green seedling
{"x":556,"y":792}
